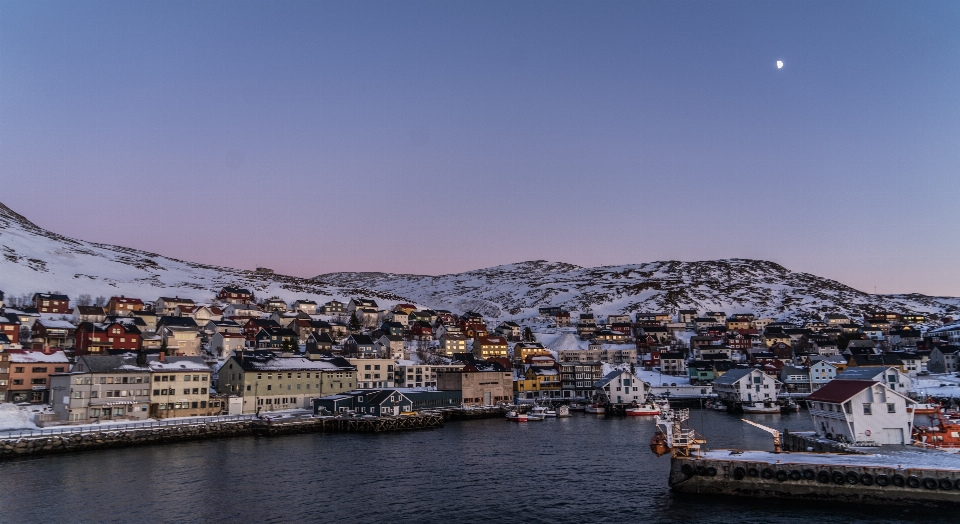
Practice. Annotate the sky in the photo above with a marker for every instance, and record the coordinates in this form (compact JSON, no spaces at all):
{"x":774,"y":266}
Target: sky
{"x":435,"y":137}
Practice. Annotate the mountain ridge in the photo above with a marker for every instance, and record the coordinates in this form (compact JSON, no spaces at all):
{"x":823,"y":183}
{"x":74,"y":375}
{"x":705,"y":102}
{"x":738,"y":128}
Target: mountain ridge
{"x":34,"y":259}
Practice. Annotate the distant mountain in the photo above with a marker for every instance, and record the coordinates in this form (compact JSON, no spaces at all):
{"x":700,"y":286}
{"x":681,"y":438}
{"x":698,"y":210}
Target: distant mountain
{"x":732,"y":286}
{"x":33,"y":259}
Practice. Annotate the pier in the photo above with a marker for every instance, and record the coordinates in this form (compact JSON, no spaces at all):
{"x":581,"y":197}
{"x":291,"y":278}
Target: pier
{"x":67,"y":439}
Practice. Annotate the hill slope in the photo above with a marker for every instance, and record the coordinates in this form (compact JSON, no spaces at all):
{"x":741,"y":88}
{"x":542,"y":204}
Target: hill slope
{"x":33,"y":259}
{"x":735,"y":285}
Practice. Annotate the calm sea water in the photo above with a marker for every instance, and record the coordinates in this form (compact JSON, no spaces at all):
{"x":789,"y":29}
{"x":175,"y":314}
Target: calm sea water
{"x":581,"y":469}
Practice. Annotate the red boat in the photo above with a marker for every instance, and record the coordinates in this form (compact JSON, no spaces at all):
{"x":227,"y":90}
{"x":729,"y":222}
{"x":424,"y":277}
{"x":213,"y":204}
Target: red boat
{"x":944,"y":434}
{"x":649,"y":409}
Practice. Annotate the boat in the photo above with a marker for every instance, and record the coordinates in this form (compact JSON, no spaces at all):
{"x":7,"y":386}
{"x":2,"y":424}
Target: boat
{"x":596,"y":409}
{"x":925,"y":409}
{"x":791,"y":406}
{"x":648,"y":409}
{"x":516,"y":416}
{"x":550,"y":413}
{"x":718,"y":406}
{"x":563,"y":411}
{"x":944,"y":433}
{"x":577,"y":407}
{"x":764,"y":407}
{"x":537,"y":413}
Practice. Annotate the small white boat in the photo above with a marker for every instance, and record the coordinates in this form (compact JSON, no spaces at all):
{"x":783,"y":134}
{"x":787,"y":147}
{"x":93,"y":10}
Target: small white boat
{"x":762,"y":407}
{"x":563,"y":411}
{"x":577,"y":407}
{"x":719,"y":406}
{"x":535,"y":417}
{"x":596,"y":409}
{"x":537,"y":413}
{"x":515,"y":416}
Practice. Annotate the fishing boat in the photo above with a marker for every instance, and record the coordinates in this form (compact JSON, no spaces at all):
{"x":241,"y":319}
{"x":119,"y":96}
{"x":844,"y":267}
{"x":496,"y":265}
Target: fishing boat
{"x":718,"y":406}
{"x":791,"y":406}
{"x":944,"y":433}
{"x":648,"y":409}
{"x":577,"y":407}
{"x":596,"y":409}
{"x":537,"y":413}
{"x":516,"y":416}
{"x":764,"y":407}
{"x":925,"y":409}
{"x":563,"y":411}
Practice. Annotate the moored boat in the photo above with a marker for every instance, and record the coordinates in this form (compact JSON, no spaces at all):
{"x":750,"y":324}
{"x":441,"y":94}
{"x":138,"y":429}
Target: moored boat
{"x":577,"y":407}
{"x":761,"y":407}
{"x":648,"y":409}
{"x":516,"y":416}
{"x":791,"y":406}
{"x":596,"y":409}
{"x":945,"y":433}
{"x":563,"y":411}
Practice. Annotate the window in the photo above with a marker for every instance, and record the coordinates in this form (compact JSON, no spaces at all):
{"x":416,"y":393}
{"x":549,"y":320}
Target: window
{"x":76,"y":394}
{"x":186,"y":378}
{"x":20,"y":369}
{"x":867,"y":409}
{"x":156,"y":392}
{"x":186,"y":391}
{"x":38,"y":381}
{"x":891,"y":408}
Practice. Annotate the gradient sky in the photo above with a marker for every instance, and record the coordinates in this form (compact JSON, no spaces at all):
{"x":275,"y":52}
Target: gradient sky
{"x":436,"y":137}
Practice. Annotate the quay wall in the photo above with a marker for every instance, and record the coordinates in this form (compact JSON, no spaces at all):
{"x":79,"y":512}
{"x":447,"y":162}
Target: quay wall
{"x":834,"y":482}
{"x":115,"y":438}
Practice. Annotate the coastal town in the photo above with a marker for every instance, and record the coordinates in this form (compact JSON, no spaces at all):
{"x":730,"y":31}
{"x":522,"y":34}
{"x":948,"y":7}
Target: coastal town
{"x":70,"y":361}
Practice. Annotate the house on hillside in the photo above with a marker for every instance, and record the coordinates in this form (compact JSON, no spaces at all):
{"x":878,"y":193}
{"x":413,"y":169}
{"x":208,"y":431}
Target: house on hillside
{"x":51,"y":303}
{"x":235,"y":295}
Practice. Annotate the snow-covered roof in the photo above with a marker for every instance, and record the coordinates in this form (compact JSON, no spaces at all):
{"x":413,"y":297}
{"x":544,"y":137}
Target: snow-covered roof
{"x":27,"y":357}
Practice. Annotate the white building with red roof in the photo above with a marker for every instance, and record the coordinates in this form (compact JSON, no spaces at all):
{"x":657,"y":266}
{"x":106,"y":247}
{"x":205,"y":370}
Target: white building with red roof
{"x":862,"y":413}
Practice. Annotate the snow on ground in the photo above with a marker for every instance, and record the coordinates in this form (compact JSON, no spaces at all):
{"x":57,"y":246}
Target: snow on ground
{"x":891,"y":456}
{"x":12,"y":417}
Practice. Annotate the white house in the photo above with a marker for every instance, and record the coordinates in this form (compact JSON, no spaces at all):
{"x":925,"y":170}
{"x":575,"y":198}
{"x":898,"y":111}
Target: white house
{"x":620,"y":386}
{"x":391,"y":346}
{"x":746,"y":385}
{"x":861,"y":412}
{"x":821,"y":373}
{"x":944,"y":359}
{"x":222,"y":344}
{"x":891,"y":376}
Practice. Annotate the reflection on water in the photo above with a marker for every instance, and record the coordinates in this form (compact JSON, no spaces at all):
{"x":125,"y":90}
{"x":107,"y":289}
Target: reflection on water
{"x":581,"y":469}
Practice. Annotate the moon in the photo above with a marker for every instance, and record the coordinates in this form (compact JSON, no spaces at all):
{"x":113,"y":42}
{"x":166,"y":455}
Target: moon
{"x":779,"y":64}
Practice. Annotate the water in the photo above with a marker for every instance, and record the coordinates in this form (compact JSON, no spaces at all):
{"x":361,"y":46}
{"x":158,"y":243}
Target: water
{"x":580,"y":469}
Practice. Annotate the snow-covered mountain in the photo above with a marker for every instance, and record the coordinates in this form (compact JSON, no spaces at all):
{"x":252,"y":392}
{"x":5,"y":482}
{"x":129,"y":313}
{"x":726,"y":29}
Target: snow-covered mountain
{"x":736,"y":285}
{"x":33,"y":259}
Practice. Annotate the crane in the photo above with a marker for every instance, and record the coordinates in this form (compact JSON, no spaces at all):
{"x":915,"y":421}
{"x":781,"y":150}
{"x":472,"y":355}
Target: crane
{"x":775,"y":433}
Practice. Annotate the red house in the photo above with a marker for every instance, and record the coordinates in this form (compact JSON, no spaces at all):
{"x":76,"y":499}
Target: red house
{"x":100,"y":338}
{"x":51,"y":303}
{"x":421,"y":330}
{"x":651,"y":360}
{"x":235,"y":295}
{"x":254,"y":325}
{"x":10,"y":326}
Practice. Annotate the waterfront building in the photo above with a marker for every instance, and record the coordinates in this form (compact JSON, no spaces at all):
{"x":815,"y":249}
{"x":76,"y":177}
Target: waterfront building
{"x":410,"y":374}
{"x":537,"y":382}
{"x":180,"y":387}
{"x":386,"y":402}
{"x":374,"y":373}
{"x":480,"y":383}
{"x":269,"y":383}
{"x":577,"y":379}
{"x":861,"y":412}
{"x":746,"y":385}
{"x":30,"y":372}
{"x":103,"y":388}
{"x":620,"y":386}
{"x":891,"y":376}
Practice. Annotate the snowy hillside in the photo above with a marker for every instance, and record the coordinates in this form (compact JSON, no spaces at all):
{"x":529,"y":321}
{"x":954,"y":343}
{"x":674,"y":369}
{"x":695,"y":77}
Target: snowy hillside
{"x":33,"y":259}
{"x":736,"y":285}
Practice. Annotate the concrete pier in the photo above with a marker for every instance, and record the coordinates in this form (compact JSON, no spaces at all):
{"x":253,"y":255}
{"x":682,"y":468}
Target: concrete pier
{"x":816,"y":476}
